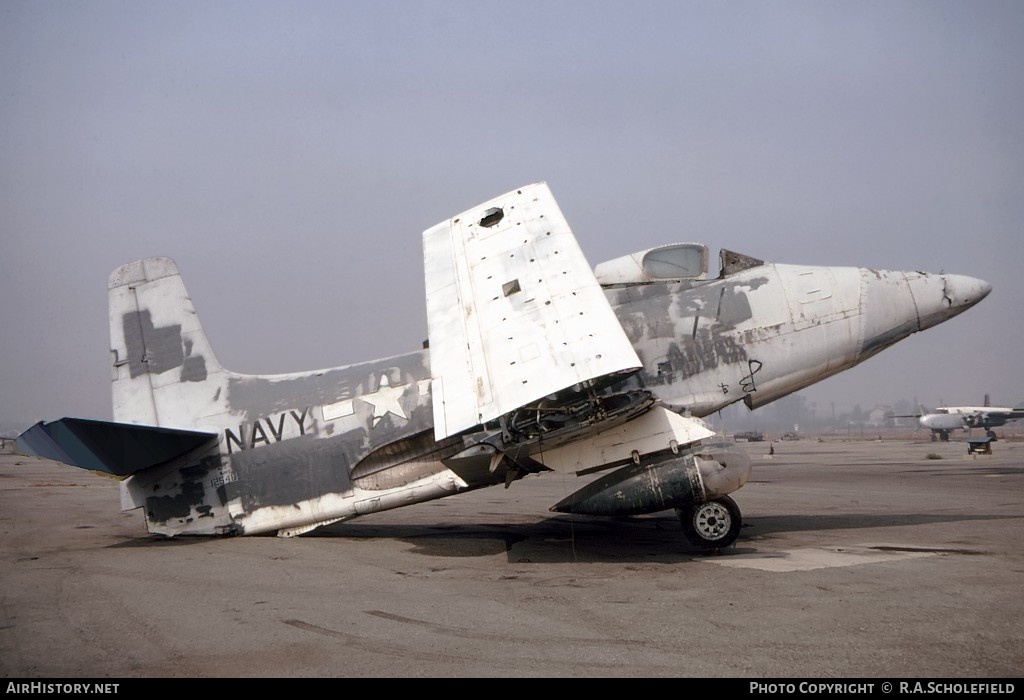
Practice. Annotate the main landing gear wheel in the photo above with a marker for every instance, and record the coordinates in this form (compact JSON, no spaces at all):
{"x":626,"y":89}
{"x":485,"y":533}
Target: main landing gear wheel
{"x":712,"y":524}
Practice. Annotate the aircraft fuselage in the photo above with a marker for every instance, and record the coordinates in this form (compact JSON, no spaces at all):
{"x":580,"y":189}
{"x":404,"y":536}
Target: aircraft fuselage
{"x":301,"y":450}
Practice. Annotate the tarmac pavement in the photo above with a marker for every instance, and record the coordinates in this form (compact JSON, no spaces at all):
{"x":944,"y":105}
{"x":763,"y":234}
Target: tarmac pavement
{"x":858,"y":559}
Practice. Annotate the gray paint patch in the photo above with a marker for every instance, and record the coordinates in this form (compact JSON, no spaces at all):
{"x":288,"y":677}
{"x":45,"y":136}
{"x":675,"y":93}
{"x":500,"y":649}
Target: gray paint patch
{"x":151,"y":349}
{"x":286,"y":473}
{"x":194,"y":369}
{"x":158,"y":350}
{"x":191,"y":492}
{"x":680,"y":330}
{"x":258,"y":396}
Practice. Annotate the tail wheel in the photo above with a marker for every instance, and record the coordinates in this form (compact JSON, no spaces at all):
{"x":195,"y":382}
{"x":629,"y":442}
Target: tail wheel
{"x":712,"y":524}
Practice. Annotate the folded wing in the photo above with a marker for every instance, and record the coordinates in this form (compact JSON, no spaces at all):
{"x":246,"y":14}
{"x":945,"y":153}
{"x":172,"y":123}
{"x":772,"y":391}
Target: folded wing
{"x":514,"y":312}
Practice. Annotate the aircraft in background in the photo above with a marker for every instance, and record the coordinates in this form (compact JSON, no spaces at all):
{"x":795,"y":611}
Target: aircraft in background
{"x":535,"y":363}
{"x":945,"y":419}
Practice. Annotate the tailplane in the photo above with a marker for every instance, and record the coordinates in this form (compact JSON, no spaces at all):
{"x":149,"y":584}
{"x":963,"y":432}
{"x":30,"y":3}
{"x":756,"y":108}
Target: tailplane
{"x":118,"y":449}
{"x":164,"y":370}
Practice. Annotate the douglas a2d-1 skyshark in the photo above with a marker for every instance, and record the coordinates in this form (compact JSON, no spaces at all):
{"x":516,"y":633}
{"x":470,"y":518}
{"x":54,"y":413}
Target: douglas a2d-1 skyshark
{"x":534,"y":362}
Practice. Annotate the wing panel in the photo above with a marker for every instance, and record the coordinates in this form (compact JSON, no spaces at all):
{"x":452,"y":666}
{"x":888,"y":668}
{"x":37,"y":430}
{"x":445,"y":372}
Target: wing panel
{"x":514,"y":312}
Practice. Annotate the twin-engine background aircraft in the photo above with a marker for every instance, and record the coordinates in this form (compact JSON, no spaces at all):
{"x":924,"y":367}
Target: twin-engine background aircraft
{"x":535,"y":363}
{"x":945,"y":419}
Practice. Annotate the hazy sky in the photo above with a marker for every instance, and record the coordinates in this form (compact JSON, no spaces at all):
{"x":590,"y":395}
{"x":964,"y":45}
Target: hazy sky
{"x":289,"y":155}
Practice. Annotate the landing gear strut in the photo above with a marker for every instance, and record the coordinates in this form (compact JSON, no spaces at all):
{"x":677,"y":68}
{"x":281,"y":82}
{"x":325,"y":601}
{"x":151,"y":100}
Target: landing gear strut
{"x":712,"y":524}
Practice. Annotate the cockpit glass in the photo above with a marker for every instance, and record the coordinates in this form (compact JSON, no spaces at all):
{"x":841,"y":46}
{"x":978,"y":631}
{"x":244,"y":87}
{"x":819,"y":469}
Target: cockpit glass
{"x":687,"y":260}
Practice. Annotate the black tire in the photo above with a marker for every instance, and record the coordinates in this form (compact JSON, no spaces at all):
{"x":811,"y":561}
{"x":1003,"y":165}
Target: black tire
{"x":711,"y":525}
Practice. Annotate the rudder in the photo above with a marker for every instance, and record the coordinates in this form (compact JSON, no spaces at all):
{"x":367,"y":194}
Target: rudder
{"x":164,"y":370}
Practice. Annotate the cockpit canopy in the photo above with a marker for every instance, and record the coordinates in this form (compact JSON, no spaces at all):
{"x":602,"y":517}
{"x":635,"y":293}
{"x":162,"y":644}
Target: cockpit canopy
{"x":668,"y":263}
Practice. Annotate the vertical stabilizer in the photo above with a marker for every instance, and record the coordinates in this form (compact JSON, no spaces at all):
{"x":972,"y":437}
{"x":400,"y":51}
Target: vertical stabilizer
{"x":164,"y":371}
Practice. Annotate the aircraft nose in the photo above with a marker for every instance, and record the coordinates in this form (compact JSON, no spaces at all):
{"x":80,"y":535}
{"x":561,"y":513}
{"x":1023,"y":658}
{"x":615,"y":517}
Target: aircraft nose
{"x":896,"y":304}
{"x":941,"y":297}
{"x":964,"y":292}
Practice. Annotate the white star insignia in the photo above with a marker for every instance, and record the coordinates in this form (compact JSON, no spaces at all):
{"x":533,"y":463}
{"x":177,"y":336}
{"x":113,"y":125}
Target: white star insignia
{"x":385,"y":400}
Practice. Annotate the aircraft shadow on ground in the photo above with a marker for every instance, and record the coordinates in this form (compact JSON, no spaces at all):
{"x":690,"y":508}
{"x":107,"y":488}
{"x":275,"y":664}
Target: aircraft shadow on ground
{"x":552,"y":539}
{"x":653,"y":538}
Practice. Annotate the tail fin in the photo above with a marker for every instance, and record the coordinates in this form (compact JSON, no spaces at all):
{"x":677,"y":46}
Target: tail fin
{"x":164,"y":371}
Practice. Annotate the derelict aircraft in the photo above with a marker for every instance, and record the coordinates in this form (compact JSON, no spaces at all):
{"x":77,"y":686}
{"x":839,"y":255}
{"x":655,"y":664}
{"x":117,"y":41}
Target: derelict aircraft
{"x":535,"y":362}
{"x":945,"y":419}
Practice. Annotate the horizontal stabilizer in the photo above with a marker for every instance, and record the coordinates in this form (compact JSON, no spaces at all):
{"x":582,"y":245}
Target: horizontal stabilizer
{"x":120,"y":449}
